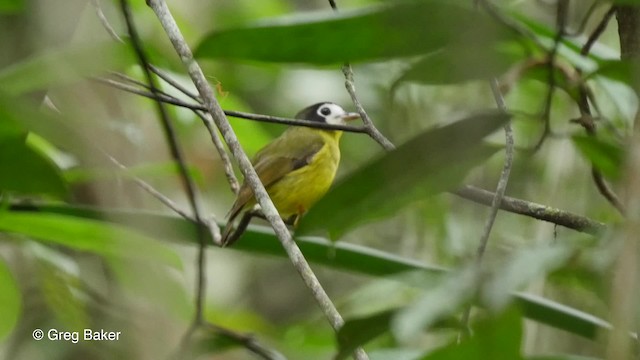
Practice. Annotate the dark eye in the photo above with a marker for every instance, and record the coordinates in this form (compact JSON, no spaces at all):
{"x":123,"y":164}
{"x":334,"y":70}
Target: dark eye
{"x":325,"y":111}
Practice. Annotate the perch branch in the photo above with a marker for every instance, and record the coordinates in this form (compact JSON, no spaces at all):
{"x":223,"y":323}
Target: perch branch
{"x":161,"y":10}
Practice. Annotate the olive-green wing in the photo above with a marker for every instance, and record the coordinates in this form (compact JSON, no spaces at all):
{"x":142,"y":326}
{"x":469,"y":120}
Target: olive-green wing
{"x":292,"y":150}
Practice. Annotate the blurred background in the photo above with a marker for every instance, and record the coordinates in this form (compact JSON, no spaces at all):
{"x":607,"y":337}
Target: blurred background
{"x":71,"y":286}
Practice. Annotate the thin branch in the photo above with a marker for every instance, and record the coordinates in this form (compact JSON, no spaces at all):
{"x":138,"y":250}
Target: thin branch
{"x":247,"y":341}
{"x":533,"y":210}
{"x":497,"y":197}
{"x":369,"y":126}
{"x":602,"y":25}
{"x":504,"y":175}
{"x":105,"y":22}
{"x":349,"y":84}
{"x":177,"y":155}
{"x":226,"y":161}
{"x":166,"y":98}
{"x":586,"y":116}
{"x":251,"y":177}
{"x":585,"y":20}
{"x":561,"y":19}
{"x":174,"y":83}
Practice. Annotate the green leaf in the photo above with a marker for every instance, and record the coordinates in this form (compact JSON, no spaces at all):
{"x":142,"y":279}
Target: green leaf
{"x":395,"y":30}
{"x":343,"y":256}
{"x":624,"y":71}
{"x":11,"y":6}
{"x":19,"y":117}
{"x":25,"y":171}
{"x":146,"y":170}
{"x":432,"y":162}
{"x":626,"y":2}
{"x":87,"y":235}
{"x":64,"y":66}
{"x":495,"y":338}
{"x":438,"y":303}
{"x":561,"y":357}
{"x":606,"y":157}
{"x":10,"y":301}
{"x":356,"y":332}
{"x":521,"y":270}
{"x":454,"y":65}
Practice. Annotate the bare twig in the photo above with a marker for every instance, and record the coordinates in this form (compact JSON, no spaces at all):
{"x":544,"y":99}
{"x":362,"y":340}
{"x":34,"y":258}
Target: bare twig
{"x":226,"y":161}
{"x":206,"y":93}
{"x":349,"y":84}
{"x":497,"y":197}
{"x":247,"y":341}
{"x":561,"y":19}
{"x":602,"y":25}
{"x":369,"y":126}
{"x":166,"y":98}
{"x":586,"y":118}
{"x":533,"y":210}
{"x":177,"y":155}
{"x":504,"y":175}
{"x":105,"y":22}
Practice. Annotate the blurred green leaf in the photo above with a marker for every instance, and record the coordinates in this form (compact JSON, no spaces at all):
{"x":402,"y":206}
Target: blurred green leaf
{"x":432,"y":162}
{"x":59,"y":297}
{"x":395,"y":354}
{"x":454,"y":65}
{"x":16,"y":113}
{"x":25,"y":171}
{"x":438,"y":303}
{"x":64,"y":66}
{"x":395,"y":30}
{"x":344,"y":256}
{"x":151,"y":170}
{"x":561,"y":357}
{"x":95,"y":236}
{"x":356,"y":332}
{"x":11,"y":6}
{"x":606,"y":157}
{"x":523,"y":268}
{"x":624,"y":71}
{"x":626,"y":2}
{"x":495,"y":338}
{"x":540,"y":72}
{"x":10,"y":301}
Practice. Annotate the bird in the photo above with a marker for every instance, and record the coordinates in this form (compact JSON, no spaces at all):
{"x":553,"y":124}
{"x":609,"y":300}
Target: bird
{"x":297,"y":168}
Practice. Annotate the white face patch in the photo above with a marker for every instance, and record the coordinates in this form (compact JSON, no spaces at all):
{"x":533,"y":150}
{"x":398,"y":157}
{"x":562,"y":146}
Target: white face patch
{"x":332,"y":113}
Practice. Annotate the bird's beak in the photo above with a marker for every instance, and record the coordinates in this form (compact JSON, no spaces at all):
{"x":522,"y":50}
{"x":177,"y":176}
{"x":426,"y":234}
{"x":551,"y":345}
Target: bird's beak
{"x":350,"y":116}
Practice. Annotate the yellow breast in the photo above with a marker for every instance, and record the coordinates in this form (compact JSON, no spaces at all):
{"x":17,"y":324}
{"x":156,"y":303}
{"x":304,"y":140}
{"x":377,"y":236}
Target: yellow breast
{"x":296,"y":192}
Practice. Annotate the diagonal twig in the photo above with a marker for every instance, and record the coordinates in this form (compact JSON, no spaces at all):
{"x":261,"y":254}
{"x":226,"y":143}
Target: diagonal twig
{"x":177,"y":155}
{"x":167,"y":21}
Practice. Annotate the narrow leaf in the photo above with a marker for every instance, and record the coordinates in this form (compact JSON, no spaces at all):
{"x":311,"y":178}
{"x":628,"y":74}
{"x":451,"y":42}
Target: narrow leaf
{"x":63,"y":66}
{"x":432,"y":162}
{"x":25,"y":171}
{"x":495,"y":338}
{"x":356,"y":332}
{"x":438,"y":303}
{"x":11,"y":6}
{"x":344,"y":256}
{"x":606,"y":157}
{"x":87,"y":235}
{"x":10,"y":301}
{"x":523,"y":268}
{"x":454,"y":65}
{"x":397,"y":30}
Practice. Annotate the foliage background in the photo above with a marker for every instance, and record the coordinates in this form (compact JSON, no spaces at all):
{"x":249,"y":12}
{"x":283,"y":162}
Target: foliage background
{"x":67,"y":272}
